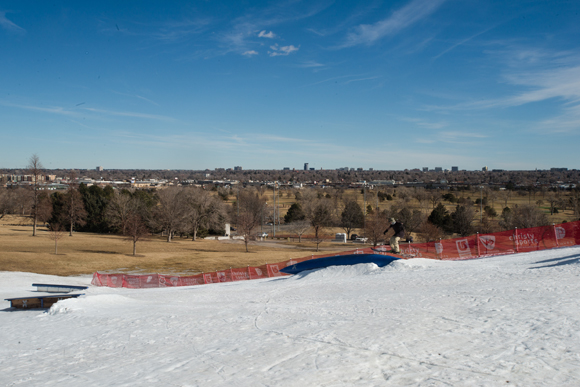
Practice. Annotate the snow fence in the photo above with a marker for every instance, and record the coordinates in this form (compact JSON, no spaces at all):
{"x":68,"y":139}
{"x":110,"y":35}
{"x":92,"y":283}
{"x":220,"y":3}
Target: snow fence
{"x":475,"y":246}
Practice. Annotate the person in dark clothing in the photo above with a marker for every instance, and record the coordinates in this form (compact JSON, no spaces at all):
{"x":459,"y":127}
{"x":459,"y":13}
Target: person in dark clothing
{"x":399,"y":230}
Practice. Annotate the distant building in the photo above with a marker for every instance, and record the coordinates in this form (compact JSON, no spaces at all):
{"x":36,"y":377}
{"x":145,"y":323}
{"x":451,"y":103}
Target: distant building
{"x":99,"y":169}
{"x":286,"y":168}
{"x":454,"y":169}
{"x":237,"y":168}
{"x":359,"y":169}
{"x":558,"y":169}
{"x":438,"y":169}
{"x":371,"y":169}
{"x":484,"y":169}
{"x":305,"y":166}
{"x":425,"y":169}
{"x":312,"y":169}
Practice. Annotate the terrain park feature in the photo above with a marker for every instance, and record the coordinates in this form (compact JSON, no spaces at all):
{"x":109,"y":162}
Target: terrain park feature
{"x":339,"y":260}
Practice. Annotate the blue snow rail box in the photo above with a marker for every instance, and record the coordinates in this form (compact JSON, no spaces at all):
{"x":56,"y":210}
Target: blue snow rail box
{"x":339,"y":260}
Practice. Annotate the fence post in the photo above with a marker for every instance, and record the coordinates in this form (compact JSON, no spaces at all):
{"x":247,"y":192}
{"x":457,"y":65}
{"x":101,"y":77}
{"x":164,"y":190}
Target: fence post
{"x":516,"y":241}
{"x":477,"y":242}
{"x":555,"y":235}
{"x":249,"y":273}
{"x":231,"y":274}
{"x":436,"y":252}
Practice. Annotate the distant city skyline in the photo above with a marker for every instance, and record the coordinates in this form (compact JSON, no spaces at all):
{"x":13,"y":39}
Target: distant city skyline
{"x":385,"y":85}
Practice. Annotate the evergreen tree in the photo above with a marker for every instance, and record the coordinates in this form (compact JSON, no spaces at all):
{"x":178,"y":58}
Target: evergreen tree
{"x":295,"y":213}
{"x":351,"y":217}
{"x":440,"y":217}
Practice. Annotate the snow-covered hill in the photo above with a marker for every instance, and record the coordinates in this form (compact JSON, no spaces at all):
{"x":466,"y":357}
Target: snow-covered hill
{"x":509,"y":320}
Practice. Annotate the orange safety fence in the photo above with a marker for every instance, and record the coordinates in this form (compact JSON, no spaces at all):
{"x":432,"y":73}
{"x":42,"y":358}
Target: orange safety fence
{"x":475,"y":246}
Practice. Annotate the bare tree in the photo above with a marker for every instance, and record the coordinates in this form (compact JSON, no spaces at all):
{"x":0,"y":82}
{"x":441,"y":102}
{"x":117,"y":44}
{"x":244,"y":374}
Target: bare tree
{"x":552,"y":199}
{"x":299,"y":227}
{"x":319,"y":213}
{"x":74,"y":208}
{"x":35,"y":169}
{"x":170,"y":213}
{"x":8,"y":201}
{"x":248,"y":214}
{"x":422,"y":197}
{"x":55,"y":233}
{"x":434,"y":198}
{"x":505,"y":195}
{"x":375,"y":226}
{"x":120,"y":208}
{"x":43,"y":208}
{"x":202,"y":210}
{"x":523,"y":216}
{"x":430,"y":232}
{"x":136,"y":229}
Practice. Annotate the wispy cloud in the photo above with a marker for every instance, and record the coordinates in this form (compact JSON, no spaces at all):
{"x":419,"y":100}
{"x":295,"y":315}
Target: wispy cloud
{"x":462,"y":135}
{"x":461,"y":42}
{"x":264,"y":34}
{"x":9,"y":25}
{"x":405,"y":17}
{"x":173,"y":31}
{"x":361,"y":79}
{"x":130,"y":114}
{"x":136,"y":96}
{"x":50,"y":109}
{"x":424,"y":123}
{"x":250,"y":53}
{"x":282,"y":51}
{"x":310,"y":64}
{"x":344,"y":79}
{"x":536,"y":76}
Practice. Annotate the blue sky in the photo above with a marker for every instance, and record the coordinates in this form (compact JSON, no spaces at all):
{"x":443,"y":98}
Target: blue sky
{"x":267,"y":85}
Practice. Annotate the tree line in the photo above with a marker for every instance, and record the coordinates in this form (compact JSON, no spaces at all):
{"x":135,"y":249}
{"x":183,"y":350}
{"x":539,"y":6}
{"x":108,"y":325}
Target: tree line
{"x":194,"y":212}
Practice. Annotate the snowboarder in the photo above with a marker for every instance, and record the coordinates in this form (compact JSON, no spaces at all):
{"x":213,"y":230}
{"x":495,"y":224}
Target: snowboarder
{"x":399,"y":230}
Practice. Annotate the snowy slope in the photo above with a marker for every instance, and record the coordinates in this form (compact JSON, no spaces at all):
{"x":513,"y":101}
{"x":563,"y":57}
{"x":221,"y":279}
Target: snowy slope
{"x":510,"y":320}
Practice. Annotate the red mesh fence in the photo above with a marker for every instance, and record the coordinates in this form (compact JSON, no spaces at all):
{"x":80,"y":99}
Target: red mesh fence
{"x":474,"y":246}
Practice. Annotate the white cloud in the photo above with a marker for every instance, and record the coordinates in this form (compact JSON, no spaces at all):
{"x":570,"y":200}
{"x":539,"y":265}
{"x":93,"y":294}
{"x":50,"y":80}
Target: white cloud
{"x":130,"y":114}
{"x":310,"y":64}
{"x":424,"y":123}
{"x":399,"y":20}
{"x":8,"y":25}
{"x":283,"y":51}
{"x":264,"y":34}
{"x":250,"y":53}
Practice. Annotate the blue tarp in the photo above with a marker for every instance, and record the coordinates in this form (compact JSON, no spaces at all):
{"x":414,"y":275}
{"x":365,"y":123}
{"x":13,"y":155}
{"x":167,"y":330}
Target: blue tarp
{"x":339,"y":260}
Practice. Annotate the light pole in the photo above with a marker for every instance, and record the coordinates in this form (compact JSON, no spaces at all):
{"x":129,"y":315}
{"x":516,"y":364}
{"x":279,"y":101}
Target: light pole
{"x":481,"y":205}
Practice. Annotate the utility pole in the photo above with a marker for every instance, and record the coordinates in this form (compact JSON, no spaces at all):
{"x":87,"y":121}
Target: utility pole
{"x":481,"y":205}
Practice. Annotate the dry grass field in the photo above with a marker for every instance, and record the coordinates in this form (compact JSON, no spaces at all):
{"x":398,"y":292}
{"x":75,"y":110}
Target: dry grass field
{"x":85,"y":253}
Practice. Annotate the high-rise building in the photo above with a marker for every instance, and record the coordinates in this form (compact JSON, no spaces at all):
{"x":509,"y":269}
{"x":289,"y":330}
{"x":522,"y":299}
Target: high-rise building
{"x":99,"y":168}
{"x":237,"y":168}
{"x":305,"y":166}
{"x":454,"y":169}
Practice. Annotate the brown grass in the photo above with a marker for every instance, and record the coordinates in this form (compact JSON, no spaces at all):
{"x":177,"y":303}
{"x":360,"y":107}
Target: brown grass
{"x":85,"y":253}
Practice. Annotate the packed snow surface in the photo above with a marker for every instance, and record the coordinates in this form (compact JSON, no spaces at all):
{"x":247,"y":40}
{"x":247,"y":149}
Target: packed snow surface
{"x":510,"y":320}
